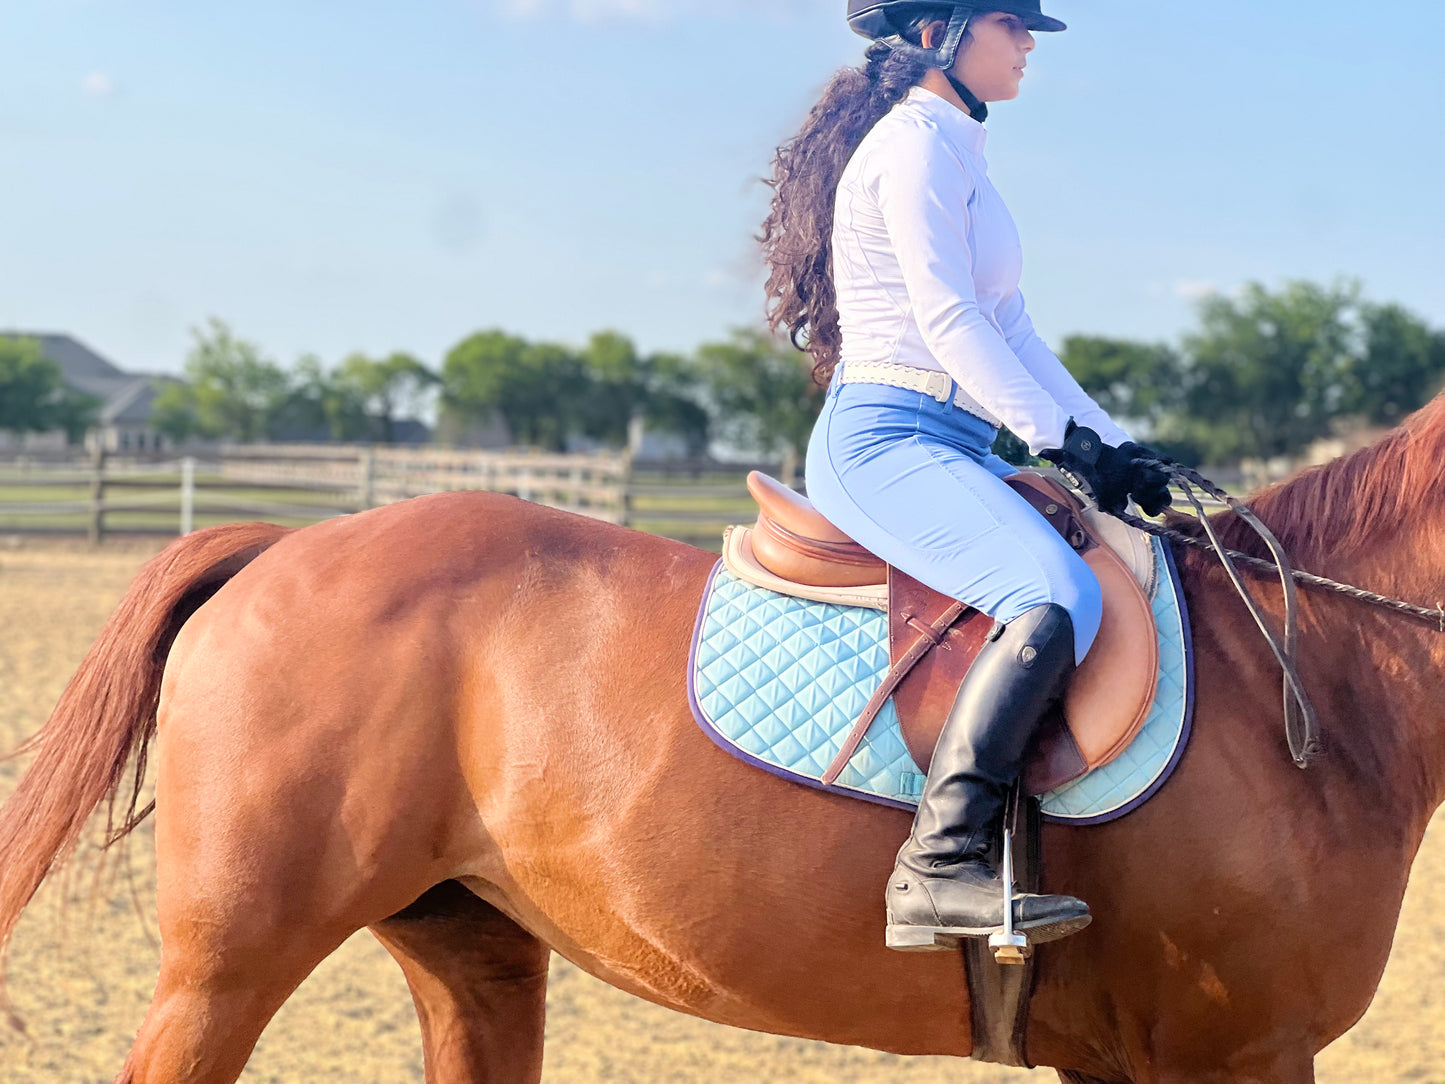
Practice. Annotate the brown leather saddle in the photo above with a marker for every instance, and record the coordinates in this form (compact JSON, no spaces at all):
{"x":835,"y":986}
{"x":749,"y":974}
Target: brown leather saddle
{"x":932,"y":639}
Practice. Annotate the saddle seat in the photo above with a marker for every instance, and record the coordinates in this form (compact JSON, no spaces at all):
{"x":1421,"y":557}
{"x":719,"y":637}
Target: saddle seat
{"x":794,"y":550}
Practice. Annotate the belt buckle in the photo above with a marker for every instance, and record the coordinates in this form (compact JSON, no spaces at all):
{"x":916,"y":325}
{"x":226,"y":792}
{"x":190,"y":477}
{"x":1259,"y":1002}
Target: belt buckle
{"x":940,"y":386}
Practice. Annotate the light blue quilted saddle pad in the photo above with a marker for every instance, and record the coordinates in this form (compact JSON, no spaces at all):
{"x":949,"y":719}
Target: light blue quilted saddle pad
{"x":778,"y":681}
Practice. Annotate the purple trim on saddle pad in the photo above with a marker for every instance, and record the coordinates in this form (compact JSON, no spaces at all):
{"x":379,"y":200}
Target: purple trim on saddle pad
{"x":1186,"y":728}
{"x":728,"y":747}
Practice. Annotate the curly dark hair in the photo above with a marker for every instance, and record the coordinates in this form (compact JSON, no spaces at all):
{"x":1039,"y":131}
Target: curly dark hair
{"x":797,"y":234}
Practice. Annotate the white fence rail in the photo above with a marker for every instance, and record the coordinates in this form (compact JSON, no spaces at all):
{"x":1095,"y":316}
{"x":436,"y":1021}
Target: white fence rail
{"x":303,"y":482}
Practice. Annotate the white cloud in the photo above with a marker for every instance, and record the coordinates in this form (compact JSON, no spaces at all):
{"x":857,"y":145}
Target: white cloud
{"x":97,"y":85}
{"x":1194,"y":289}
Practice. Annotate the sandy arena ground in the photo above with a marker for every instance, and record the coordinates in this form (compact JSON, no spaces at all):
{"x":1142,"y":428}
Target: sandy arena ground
{"x":81,"y":977}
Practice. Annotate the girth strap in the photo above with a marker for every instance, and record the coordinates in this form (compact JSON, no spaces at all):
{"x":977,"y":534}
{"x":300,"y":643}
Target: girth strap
{"x":929,"y":637}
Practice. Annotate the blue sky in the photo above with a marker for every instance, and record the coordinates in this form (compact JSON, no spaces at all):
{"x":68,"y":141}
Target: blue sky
{"x":330,"y":177}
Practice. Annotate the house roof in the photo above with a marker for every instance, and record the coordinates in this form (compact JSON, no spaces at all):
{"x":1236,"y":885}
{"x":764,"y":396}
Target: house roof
{"x":126,"y":398}
{"x":132,"y":404}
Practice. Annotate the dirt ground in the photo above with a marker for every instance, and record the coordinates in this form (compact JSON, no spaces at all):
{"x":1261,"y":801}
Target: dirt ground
{"x":80,"y":976}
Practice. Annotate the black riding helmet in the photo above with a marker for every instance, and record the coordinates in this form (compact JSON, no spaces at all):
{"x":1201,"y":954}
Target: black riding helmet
{"x":883,"y":21}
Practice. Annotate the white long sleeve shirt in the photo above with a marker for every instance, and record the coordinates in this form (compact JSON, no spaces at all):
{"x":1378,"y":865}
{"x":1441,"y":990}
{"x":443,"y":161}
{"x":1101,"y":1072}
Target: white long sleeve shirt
{"x":927,"y":261}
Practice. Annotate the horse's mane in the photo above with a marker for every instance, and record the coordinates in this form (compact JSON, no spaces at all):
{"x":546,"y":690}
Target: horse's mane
{"x":1332,"y":510}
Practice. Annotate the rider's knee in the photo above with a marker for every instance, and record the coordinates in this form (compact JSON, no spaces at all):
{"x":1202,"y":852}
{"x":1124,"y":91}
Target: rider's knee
{"x":1074,"y":587}
{"x":1084,"y":600}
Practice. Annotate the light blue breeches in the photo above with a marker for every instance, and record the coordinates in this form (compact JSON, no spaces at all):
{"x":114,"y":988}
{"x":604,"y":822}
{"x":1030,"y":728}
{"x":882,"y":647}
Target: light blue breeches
{"x":914,"y":480}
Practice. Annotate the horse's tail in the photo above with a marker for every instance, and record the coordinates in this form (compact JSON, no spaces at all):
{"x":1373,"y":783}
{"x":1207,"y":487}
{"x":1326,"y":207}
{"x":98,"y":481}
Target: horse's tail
{"x":107,"y":713}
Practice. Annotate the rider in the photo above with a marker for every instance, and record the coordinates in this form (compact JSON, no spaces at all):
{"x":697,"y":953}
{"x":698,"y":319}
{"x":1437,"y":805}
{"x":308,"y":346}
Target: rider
{"x":894,"y":258}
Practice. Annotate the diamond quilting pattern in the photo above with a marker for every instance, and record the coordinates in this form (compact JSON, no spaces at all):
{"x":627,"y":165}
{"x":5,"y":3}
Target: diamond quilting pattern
{"x":782,"y":680}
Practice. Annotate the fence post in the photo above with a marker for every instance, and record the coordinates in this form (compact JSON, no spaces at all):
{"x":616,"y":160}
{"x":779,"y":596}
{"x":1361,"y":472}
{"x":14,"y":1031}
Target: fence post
{"x":97,"y":491}
{"x":789,"y":468}
{"x":524,"y":480}
{"x":366,"y":498}
{"x":625,"y":518}
{"x":188,"y":495}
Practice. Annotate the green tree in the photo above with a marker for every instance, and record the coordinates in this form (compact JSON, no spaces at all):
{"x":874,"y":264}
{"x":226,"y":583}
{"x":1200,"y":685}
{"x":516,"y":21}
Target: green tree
{"x":231,"y":391}
{"x":538,"y":389}
{"x":626,"y":388}
{"x":1132,"y":381}
{"x":386,"y":389}
{"x":34,"y":397}
{"x":762,"y":393}
{"x":674,"y":402}
{"x":1266,"y":373}
{"x":1398,"y":369}
{"x":1012,"y":449}
{"x":316,"y":407}
{"x":1141,"y":385}
{"x":619,"y":387}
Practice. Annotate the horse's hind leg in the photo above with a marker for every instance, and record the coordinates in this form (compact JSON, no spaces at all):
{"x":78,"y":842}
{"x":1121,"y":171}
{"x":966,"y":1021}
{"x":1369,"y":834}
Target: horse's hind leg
{"x":214,"y":995}
{"x":480,"y":986}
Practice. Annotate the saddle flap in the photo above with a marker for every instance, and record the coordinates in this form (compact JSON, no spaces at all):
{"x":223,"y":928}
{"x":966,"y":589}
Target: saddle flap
{"x":1108,"y":698}
{"x":925,"y":696}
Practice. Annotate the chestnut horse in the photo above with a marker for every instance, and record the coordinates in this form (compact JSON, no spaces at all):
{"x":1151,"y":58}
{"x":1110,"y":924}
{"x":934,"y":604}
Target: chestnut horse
{"x":462,"y":722}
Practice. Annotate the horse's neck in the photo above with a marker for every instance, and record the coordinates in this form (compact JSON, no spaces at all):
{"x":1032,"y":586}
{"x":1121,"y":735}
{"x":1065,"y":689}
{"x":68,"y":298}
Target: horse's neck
{"x":1372,"y":677}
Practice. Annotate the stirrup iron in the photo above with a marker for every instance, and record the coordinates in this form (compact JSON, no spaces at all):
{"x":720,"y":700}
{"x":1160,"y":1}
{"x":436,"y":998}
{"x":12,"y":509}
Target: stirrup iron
{"x":1009,"y":947}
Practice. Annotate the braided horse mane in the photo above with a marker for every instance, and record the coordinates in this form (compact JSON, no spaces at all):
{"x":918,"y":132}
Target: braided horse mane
{"x":1333,"y":510}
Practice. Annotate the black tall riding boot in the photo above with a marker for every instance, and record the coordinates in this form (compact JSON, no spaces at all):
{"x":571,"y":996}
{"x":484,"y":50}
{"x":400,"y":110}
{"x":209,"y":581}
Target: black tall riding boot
{"x":943,"y":887}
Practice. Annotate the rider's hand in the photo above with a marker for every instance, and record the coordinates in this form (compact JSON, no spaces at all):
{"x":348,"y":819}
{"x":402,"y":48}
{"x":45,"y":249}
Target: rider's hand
{"x":1107,"y":474}
{"x":1149,"y":484}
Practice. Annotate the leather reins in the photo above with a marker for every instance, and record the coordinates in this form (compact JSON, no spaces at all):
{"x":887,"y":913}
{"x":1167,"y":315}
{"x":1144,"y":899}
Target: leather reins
{"x":1300,"y":721}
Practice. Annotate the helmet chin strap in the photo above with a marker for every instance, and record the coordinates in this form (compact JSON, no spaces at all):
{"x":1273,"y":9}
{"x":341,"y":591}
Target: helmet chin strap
{"x":977,"y":109}
{"x":945,"y":55}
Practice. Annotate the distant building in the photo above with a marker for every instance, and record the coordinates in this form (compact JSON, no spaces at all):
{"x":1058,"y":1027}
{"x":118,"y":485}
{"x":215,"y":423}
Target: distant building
{"x":123,"y":422}
{"x":410,"y":432}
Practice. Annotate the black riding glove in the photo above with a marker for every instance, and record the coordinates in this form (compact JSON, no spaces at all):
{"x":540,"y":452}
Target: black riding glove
{"x":1111,"y":475}
{"x":1101,"y":471}
{"x":1149,"y":484}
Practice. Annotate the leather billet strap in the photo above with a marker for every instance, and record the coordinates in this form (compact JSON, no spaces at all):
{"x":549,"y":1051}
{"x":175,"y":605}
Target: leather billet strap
{"x":929,"y":637}
{"x":999,"y":995}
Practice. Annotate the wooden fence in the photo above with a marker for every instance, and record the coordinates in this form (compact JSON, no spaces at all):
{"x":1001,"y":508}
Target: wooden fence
{"x":592,"y":485}
{"x":298,"y":484}
{"x":102,"y":494}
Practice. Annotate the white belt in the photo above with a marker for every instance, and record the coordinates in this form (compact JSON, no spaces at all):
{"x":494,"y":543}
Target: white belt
{"x":930,"y":382}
